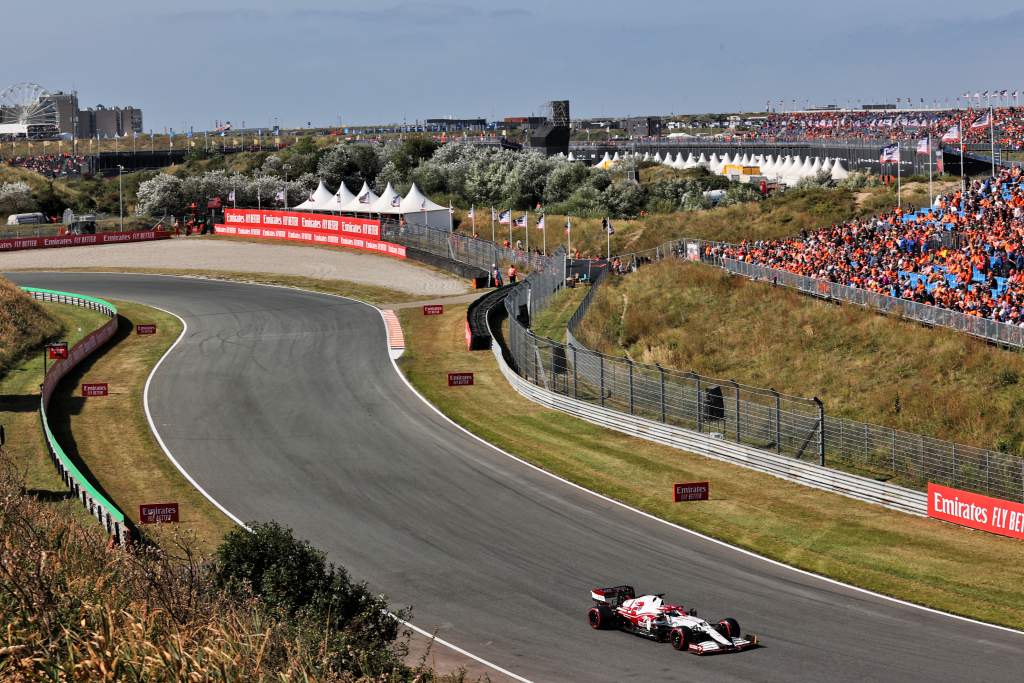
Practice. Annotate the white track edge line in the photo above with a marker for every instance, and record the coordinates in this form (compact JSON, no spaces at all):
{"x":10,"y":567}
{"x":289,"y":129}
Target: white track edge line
{"x":239,"y":522}
{"x":749,"y":553}
{"x":625,"y":506}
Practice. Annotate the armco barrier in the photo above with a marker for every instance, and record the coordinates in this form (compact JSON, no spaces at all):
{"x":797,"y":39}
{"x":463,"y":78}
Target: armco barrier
{"x":95,"y":502}
{"x":853,"y":486}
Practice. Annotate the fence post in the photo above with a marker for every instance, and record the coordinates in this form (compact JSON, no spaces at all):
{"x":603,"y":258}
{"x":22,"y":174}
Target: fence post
{"x":601,"y":357}
{"x":630,"y":361}
{"x":700,"y":405}
{"x":894,"y":451}
{"x":821,"y":430}
{"x":954,"y":465}
{"x":574,"y":380}
{"x":778,"y":421}
{"x":661,"y":373}
{"x":736,"y":390}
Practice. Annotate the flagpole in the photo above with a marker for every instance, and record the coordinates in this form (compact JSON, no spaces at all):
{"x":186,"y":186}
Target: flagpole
{"x":931,"y":199}
{"x":493,"y":238}
{"x":527,"y":229}
{"x":511,"y":242}
{"x":992,"y":138}
{"x":568,"y":232}
{"x":472,"y":210}
{"x":899,"y":160}
{"x":544,"y":237}
{"x":963,"y":187}
{"x":608,"y":237}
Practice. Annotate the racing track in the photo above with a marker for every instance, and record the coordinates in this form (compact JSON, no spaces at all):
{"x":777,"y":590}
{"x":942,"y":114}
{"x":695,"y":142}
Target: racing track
{"x":284,"y":405}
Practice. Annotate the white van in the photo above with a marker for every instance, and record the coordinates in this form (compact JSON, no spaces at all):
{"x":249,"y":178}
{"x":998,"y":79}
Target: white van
{"x":26,"y":218}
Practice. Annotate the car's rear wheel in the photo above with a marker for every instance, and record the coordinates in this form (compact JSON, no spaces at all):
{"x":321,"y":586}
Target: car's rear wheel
{"x":601,"y":617}
{"x":680,"y":638}
{"x":729,"y":627}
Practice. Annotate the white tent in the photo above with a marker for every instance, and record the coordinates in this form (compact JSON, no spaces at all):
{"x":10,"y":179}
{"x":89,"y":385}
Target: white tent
{"x":839,"y":171}
{"x":769,"y":165}
{"x":388,"y":202}
{"x":745,"y":161}
{"x":679,"y":163}
{"x":690,"y":161}
{"x":657,"y":158}
{"x":416,"y":208}
{"x":726,"y":160}
{"x":703,"y":160}
{"x":816,"y":166}
{"x":605,"y":163}
{"x":827,"y":166}
{"x":320,"y":196}
{"x":362,"y":202}
{"x":668,"y":160}
{"x":805,"y":170}
{"x":711,"y":163}
{"x":615,"y":158}
{"x":571,"y":157}
{"x":647,"y":156}
{"x":340,"y":199}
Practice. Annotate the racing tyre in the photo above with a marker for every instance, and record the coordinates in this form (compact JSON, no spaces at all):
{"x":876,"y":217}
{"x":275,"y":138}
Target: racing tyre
{"x":680,"y":638}
{"x":601,"y":617}
{"x":729,"y":627}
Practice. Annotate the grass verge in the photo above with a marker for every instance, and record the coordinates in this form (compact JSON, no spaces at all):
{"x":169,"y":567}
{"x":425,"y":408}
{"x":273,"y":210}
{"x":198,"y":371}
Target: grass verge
{"x":924,"y":561}
{"x":552,"y":321}
{"x":110,"y":436}
{"x":19,"y":399}
{"x":863,"y":365}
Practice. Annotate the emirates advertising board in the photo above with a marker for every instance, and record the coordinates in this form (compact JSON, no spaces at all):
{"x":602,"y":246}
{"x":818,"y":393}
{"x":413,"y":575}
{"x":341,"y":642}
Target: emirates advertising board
{"x":976,"y":511}
{"x":330,"y":230}
{"x":19,"y":243}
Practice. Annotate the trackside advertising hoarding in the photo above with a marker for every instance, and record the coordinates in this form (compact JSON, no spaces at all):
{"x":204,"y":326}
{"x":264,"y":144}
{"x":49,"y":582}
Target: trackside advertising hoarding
{"x":976,"y":511}
{"x":336,"y":231}
{"x":19,"y":243}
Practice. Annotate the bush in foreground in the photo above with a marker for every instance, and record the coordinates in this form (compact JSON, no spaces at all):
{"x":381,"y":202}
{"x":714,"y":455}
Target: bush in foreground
{"x":73,"y":609}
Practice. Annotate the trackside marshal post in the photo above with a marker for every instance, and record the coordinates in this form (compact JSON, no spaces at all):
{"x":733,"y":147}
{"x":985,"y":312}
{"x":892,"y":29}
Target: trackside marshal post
{"x":695,"y":490}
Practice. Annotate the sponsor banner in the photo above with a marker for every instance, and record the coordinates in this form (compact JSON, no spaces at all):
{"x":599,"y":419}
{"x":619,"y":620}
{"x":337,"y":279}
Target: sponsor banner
{"x":298,"y":220}
{"x":314,"y":237}
{"x":57,"y":351}
{"x":460,"y":379}
{"x":20,"y":243}
{"x":95,"y":389}
{"x":433,"y":309}
{"x":145,"y":329}
{"x":157,"y":513}
{"x":695,"y":490}
{"x":692,"y":252}
{"x":974,"y":510}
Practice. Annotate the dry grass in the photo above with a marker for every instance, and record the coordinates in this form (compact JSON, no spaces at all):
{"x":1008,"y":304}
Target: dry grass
{"x":917,"y":559}
{"x":552,"y":321}
{"x":863,"y":365}
{"x":24,"y":324}
{"x":109,"y":437}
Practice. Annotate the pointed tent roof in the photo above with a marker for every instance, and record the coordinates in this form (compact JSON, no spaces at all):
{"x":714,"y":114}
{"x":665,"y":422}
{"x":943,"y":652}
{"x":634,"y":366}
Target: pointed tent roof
{"x":657,"y":157}
{"x":816,"y":166}
{"x":321,"y":197}
{"x":571,"y":157}
{"x":615,"y":158}
{"x":839,"y":171}
{"x":704,"y":161}
{"x":827,"y":166}
{"x":388,"y":201}
{"x":417,"y":201}
{"x":647,"y":156}
{"x":363,"y":200}
{"x":605,"y":163}
{"x":726,"y":160}
{"x":690,"y":161}
{"x":340,"y":198}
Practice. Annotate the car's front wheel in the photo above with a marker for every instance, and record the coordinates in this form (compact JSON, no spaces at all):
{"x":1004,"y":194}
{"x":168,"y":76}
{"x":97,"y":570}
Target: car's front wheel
{"x":729,"y":627}
{"x":680,"y":638}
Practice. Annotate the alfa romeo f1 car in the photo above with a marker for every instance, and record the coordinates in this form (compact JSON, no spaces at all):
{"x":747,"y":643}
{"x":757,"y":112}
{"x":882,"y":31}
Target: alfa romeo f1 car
{"x":651,"y":617}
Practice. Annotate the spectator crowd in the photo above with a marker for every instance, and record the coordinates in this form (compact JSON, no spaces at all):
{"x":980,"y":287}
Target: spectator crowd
{"x":51,"y":165}
{"x":904,"y":126}
{"x":964,"y":253}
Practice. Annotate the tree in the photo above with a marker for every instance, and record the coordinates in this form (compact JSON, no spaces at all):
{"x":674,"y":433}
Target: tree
{"x":161,"y":195}
{"x":565,"y":177}
{"x":16,"y":197}
{"x":623,"y":199}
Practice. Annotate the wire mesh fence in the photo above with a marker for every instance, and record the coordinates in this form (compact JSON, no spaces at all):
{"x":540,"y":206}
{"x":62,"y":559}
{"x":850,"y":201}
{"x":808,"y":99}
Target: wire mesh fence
{"x":793,"y":426}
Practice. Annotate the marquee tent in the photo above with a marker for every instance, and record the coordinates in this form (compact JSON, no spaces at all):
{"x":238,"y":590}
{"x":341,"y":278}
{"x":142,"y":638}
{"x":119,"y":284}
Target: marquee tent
{"x":362,"y":202}
{"x":416,"y":208}
{"x":340,"y":199}
{"x":388,"y":203}
{"x":320,"y":196}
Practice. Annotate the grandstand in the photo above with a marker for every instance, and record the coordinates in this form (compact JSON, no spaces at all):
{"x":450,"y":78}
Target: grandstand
{"x":964,"y":253}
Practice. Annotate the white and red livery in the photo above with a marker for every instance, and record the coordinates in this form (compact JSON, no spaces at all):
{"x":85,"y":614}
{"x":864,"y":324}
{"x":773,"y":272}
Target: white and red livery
{"x":650,"y":616}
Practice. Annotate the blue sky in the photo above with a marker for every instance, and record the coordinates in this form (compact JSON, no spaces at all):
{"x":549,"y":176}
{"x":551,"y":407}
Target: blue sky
{"x":188,"y":62}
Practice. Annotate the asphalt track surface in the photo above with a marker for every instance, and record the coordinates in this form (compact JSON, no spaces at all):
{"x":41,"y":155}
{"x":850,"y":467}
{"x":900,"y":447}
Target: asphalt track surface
{"x":285,"y":405}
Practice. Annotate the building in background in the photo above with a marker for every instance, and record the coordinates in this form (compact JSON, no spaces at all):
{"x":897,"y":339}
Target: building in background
{"x":642,"y":126}
{"x":455,"y":125}
{"x":103,"y":122}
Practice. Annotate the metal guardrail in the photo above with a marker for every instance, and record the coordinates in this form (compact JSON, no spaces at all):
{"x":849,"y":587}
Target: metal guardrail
{"x":762,"y":418}
{"x":549,"y":385}
{"x":95,"y":502}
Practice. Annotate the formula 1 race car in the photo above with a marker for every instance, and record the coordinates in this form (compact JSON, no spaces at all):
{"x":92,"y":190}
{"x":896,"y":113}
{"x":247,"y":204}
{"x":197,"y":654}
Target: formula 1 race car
{"x":651,"y":617}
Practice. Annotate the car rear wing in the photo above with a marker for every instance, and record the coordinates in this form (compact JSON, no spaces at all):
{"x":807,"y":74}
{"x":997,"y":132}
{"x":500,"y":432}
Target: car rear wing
{"x":613,"y":596}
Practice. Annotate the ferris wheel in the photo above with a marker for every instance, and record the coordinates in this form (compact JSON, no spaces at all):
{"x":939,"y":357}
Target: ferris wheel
{"x":29,"y":105}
